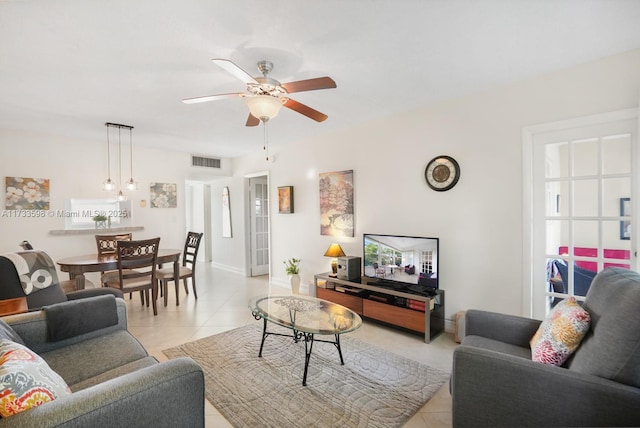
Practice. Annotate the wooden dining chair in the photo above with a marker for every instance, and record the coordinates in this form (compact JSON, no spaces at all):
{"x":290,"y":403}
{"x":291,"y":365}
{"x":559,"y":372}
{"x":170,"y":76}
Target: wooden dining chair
{"x":187,"y":270}
{"x":107,"y":245}
{"x":137,"y":269}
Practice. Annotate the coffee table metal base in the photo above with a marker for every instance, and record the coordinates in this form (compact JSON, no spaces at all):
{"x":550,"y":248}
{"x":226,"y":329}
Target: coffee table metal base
{"x":309,"y":338}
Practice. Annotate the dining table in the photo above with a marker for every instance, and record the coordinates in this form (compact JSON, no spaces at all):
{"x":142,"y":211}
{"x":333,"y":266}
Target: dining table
{"x":77,"y":266}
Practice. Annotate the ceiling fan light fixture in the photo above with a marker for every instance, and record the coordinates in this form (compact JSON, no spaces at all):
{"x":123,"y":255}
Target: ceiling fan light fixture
{"x":264,"y":107}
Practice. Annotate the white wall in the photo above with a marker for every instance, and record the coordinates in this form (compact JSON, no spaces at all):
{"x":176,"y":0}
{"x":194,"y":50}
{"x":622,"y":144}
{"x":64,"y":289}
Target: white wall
{"x":229,"y":253}
{"x":479,"y":222}
{"x":76,"y":169}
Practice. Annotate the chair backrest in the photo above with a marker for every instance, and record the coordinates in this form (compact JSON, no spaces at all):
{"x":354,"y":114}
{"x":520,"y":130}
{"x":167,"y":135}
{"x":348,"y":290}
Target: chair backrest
{"x":582,"y":278}
{"x":611,"y":347}
{"x":107,"y":243}
{"x":191,"y":246}
{"x":134,"y":255}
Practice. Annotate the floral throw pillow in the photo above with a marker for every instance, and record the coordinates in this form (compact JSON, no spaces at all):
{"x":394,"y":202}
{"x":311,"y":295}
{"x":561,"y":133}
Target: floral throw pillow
{"x":561,"y":333}
{"x":26,"y":380}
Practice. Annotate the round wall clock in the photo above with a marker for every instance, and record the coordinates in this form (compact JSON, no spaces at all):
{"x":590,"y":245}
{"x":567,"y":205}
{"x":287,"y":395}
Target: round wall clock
{"x":442,"y":173}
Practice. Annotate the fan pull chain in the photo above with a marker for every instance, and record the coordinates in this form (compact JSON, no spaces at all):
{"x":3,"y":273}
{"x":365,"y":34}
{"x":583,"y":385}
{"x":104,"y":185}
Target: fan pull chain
{"x":265,"y":146}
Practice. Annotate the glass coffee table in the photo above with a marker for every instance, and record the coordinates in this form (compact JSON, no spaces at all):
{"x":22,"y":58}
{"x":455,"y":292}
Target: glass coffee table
{"x":306,"y":317}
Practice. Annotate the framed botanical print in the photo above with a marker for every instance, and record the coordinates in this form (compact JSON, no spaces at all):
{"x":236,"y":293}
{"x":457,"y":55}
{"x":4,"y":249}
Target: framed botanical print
{"x":285,"y":200}
{"x":625,"y":211}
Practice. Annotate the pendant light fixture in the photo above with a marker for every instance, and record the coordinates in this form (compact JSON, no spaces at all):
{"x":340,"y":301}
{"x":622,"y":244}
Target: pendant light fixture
{"x":131,"y":184}
{"x":120,"y":196}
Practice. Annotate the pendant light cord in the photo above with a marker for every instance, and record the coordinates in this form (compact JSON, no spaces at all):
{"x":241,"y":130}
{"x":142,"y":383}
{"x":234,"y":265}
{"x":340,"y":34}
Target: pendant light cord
{"x":119,"y":160}
{"x":131,"y":156}
{"x":108,"y":156}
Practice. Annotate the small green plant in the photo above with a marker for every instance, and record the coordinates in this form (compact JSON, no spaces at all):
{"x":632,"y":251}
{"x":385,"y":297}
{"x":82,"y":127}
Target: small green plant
{"x":292,"y":266}
{"x":99,"y":217}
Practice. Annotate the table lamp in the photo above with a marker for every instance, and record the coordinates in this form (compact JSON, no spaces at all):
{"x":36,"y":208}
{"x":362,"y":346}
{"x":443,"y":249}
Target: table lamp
{"x":334,"y":251}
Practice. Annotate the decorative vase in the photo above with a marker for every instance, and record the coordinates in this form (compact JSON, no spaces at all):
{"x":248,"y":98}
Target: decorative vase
{"x":294,"y":280}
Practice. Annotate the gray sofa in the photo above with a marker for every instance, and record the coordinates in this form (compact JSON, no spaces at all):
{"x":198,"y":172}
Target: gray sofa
{"x":114,"y":381}
{"x":495,"y":383}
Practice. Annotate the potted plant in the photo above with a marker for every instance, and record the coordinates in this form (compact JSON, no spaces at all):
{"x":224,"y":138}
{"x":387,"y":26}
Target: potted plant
{"x":100,"y":221}
{"x":292,"y":267}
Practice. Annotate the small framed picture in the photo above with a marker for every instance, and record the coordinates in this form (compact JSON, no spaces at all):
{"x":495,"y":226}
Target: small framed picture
{"x":625,"y":211}
{"x":285,"y":200}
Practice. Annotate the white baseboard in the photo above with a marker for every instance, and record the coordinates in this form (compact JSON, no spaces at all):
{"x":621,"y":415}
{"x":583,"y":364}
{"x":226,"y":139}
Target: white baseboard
{"x":229,"y":268}
{"x":449,"y":326}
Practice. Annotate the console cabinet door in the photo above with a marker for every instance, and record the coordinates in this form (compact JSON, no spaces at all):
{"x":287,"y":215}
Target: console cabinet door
{"x":352,"y":302}
{"x":407,"y":318}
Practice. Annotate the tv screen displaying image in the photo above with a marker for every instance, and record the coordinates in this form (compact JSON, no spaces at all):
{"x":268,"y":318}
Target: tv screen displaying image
{"x":403,"y":262}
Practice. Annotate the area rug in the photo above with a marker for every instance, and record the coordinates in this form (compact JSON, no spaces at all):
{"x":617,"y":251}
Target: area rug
{"x":374,"y":388}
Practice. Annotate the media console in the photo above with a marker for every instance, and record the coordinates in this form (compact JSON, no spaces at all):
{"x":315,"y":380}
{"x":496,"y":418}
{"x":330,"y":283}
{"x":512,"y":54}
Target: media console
{"x":403,"y":308}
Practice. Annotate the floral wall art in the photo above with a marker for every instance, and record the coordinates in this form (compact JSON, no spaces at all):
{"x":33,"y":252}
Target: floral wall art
{"x":164,"y":195}
{"x":24,"y":193}
{"x":336,"y":203}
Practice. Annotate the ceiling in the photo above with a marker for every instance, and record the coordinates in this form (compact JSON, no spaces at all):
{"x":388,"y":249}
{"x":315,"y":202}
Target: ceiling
{"x":69,"y":66}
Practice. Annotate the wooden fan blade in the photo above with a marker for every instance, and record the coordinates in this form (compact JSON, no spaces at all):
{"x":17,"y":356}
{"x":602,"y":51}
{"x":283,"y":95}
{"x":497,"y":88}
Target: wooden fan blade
{"x":211,"y":98}
{"x":305,"y":110}
{"x":309,"y":84}
{"x":235,"y":70}
{"x":252,"y":120}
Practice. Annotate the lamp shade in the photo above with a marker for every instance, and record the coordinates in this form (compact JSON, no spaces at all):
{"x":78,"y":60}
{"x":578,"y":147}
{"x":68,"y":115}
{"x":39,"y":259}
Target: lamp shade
{"x":335,"y":250}
{"x":264,"y":107}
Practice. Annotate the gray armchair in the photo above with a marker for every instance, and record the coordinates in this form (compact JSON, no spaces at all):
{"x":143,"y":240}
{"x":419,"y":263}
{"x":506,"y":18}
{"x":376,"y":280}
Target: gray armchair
{"x":495,"y":383}
{"x":114,"y":381}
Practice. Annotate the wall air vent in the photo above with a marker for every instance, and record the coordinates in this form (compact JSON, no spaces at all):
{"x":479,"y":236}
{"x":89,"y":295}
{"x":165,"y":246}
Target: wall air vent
{"x":205,"y":162}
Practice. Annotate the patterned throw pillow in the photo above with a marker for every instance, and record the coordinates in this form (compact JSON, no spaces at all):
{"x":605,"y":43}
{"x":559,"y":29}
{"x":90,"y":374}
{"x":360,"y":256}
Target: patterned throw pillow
{"x":561,"y":333}
{"x":26,"y":381}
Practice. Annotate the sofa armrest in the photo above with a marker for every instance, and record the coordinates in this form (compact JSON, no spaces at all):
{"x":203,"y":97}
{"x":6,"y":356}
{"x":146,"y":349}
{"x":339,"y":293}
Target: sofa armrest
{"x":33,"y":328}
{"x":493,"y":389}
{"x":510,"y":329}
{"x":169,"y":394}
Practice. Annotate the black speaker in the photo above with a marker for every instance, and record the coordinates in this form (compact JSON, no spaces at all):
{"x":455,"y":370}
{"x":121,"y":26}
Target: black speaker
{"x":349,"y":268}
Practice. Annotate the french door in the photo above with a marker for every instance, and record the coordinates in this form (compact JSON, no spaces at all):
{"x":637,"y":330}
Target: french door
{"x":583,"y":183}
{"x":259,"y":201}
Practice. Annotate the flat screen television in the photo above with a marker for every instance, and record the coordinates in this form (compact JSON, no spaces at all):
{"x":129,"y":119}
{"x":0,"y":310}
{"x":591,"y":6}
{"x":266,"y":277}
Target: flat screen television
{"x":404,"y":263}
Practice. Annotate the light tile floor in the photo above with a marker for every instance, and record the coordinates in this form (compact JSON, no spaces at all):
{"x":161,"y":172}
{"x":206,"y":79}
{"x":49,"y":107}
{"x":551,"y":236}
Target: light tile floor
{"x":222,"y":305}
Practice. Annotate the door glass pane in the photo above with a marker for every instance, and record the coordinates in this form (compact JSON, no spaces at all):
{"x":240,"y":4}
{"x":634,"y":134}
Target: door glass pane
{"x":557,"y":237}
{"x":585,"y":198}
{"x":616,"y":250}
{"x":613,"y":190}
{"x":557,"y":199}
{"x":585,"y":234}
{"x":585,"y":157}
{"x":616,"y":157}
{"x":556,"y":160}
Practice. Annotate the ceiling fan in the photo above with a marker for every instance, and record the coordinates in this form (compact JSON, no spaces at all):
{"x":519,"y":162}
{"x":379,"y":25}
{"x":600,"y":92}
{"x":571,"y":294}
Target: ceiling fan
{"x":265,"y":95}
